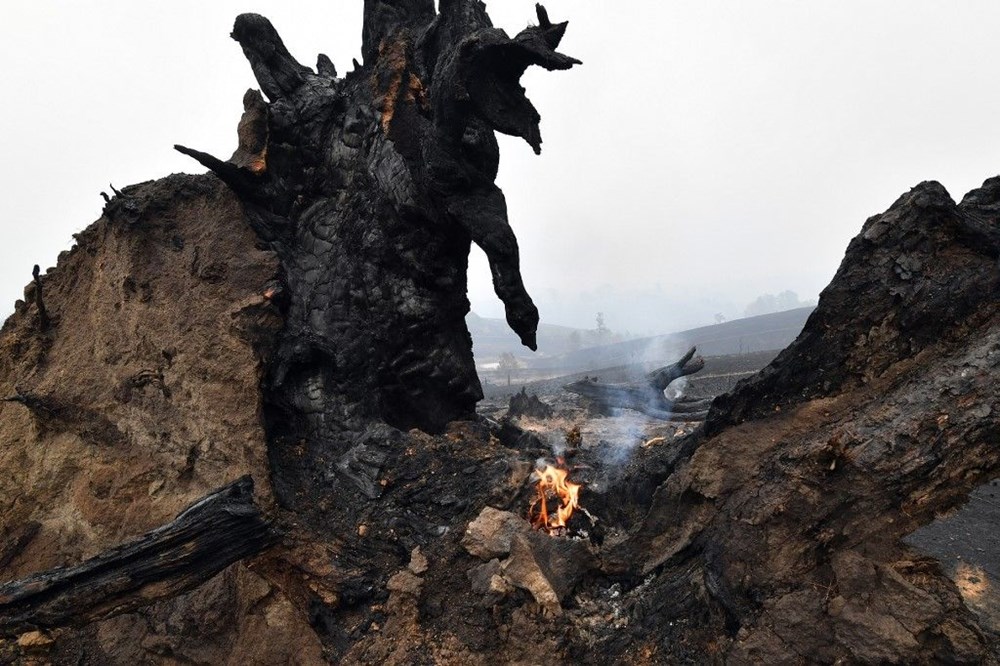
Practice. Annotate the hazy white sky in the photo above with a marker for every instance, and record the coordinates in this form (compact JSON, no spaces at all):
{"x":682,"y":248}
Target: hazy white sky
{"x":706,"y":151}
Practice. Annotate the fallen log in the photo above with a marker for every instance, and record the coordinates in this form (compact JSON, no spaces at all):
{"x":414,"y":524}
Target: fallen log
{"x":214,"y":532}
{"x":648,"y":395}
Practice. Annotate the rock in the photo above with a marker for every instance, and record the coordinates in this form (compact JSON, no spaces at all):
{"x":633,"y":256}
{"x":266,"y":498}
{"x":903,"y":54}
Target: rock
{"x":487,"y":579}
{"x":522,"y":570}
{"x":34,"y":640}
{"x":418,"y":561}
{"x":405,"y":583}
{"x":489,"y":535}
{"x":547,"y":567}
{"x":563,"y":561}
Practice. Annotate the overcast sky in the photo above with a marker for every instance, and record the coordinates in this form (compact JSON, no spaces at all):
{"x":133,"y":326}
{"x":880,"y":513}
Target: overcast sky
{"x":705,"y":153}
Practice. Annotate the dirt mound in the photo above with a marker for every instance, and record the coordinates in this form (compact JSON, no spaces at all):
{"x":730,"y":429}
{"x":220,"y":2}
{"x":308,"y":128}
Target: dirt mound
{"x":140,"y":396}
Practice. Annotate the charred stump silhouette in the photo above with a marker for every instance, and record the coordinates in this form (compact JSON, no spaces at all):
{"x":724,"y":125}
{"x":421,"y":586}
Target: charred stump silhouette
{"x":371,"y":188}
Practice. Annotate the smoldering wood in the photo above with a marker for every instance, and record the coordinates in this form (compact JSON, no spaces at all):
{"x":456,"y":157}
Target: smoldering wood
{"x":648,"y":396}
{"x":214,"y":532}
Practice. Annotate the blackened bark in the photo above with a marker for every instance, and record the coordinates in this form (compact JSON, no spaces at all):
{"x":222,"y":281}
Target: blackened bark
{"x":902,"y":294}
{"x":793,"y":502}
{"x":214,"y":532}
{"x":371,"y":188}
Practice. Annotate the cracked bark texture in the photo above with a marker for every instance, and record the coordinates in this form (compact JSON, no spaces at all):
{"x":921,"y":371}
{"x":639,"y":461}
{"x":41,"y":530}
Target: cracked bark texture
{"x":219,"y":529}
{"x":371,"y":188}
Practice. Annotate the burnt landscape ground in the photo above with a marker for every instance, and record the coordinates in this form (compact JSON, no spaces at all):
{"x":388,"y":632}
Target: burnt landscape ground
{"x":721,"y":373}
{"x":297,"y":316}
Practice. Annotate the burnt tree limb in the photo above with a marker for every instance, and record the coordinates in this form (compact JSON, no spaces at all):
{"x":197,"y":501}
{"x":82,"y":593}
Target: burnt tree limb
{"x":371,"y":188}
{"x":648,"y":396}
{"x":214,"y":532}
{"x":43,"y":315}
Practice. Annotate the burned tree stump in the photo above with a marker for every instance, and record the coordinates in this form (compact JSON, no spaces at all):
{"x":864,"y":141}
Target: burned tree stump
{"x":371,"y":188}
{"x":214,"y":532}
{"x":522,"y":404}
{"x":648,"y":396}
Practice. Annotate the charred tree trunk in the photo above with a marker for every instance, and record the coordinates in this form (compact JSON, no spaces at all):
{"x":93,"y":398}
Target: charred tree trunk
{"x":371,"y":188}
{"x":648,"y":396}
{"x":218,"y":530}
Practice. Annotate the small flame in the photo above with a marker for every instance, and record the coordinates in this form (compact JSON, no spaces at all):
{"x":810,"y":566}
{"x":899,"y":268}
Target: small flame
{"x":553,"y":484}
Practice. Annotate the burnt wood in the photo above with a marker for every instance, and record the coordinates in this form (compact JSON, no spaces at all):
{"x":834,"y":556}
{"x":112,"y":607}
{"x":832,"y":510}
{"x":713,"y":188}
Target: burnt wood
{"x":371,"y":189}
{"x":648,"y":395}
{"x":214,"y":532}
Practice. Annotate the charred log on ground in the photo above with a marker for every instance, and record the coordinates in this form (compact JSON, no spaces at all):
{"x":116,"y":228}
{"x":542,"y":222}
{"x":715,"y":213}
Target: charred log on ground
{"x":647,"y":396}
{"x":218,"y":530}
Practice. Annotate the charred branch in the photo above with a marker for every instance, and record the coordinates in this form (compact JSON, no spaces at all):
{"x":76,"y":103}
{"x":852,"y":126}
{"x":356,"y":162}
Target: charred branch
{"x":648,"y":396}
{"x":277,"y":72}
{"x":43,"y":316}
{"x":240,"y":179}
{"x":687,"y":365}
{"x":218,"y":530}
{"x":481,"y":78}
{"x":325,"y":66}
{"x":483,"y":214}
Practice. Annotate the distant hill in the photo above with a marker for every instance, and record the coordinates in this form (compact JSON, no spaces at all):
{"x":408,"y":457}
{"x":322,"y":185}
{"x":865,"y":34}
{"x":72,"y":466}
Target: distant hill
{"x":741,"y":336}
{"x":492,"y":337}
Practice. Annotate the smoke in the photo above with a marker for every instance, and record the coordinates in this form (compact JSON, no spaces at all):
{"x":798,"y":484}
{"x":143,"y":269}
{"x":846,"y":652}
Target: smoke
{"x":557,"y":442}
{"x":626,"y":433}
{"x":625,"y":430}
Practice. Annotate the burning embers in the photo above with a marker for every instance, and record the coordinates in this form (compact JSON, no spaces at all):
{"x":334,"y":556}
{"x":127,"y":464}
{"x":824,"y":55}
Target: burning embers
{"x":557,"y":498}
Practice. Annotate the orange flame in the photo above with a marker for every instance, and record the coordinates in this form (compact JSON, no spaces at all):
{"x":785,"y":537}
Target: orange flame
{"x":553,"y":484}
